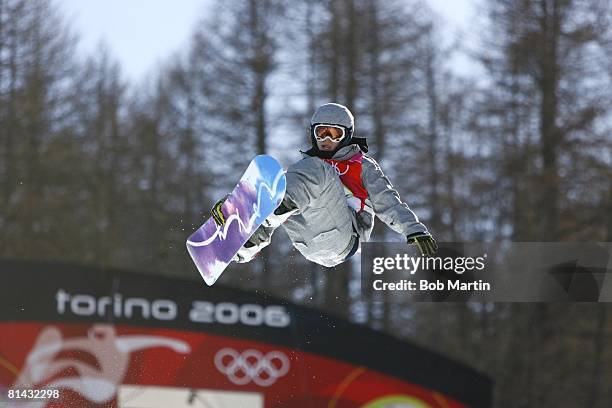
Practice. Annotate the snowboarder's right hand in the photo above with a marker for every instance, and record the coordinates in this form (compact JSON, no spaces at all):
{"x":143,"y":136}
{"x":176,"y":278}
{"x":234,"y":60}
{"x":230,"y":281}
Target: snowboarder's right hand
{"x":425,"y":242}
{"x":216,"y":212}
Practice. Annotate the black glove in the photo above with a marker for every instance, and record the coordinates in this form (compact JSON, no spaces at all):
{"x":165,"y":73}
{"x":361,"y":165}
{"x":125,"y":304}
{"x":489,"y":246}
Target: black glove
{"x":426,"y":243}
{"x":216,"y":212}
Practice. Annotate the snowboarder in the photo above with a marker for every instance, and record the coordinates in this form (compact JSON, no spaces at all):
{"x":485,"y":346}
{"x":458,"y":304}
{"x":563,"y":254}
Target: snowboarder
{"x":332,"y":196}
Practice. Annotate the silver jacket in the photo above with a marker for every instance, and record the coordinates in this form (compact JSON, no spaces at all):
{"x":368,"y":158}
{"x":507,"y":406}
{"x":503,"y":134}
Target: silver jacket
{"x":322,"y":226}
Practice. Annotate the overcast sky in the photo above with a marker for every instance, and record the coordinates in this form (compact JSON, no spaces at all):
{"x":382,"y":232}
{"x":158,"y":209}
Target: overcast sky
{"x":142,"y":33}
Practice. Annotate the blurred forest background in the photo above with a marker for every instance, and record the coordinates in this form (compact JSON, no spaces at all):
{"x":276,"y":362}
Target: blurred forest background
{"x":99,"y":171}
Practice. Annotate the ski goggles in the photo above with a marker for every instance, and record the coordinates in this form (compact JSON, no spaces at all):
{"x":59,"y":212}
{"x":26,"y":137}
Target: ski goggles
{"x":332,"y":132}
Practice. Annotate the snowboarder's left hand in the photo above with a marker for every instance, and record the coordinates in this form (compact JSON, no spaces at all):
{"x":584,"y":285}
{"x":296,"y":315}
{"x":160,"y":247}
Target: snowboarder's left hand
{"x":216,"y":212}
{"x":425,"y":242}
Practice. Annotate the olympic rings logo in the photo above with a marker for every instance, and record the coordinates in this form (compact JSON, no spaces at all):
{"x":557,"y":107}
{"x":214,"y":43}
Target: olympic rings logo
{"x":252,"y":365}
{"x":338,"y":171}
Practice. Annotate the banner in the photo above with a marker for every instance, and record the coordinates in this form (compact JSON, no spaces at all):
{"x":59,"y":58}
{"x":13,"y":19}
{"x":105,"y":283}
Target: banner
{"x":76,"y":336}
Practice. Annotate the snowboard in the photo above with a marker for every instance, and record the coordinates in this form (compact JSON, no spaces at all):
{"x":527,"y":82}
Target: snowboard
{"x":258,"y":193}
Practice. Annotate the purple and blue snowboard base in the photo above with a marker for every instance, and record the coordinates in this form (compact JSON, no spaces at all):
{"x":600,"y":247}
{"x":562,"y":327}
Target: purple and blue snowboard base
{"x":258,"y":193}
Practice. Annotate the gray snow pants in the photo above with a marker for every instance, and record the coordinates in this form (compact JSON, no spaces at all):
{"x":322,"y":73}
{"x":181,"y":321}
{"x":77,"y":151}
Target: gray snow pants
{"x":323,"y":228}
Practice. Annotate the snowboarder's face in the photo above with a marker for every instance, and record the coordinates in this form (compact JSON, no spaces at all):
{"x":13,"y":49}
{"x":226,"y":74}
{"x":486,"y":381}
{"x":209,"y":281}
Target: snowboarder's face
{"x":327,"y":145}
{"x":328,"y":137}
